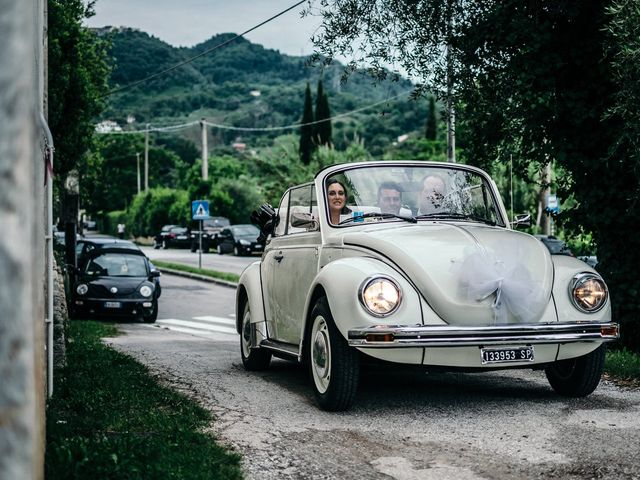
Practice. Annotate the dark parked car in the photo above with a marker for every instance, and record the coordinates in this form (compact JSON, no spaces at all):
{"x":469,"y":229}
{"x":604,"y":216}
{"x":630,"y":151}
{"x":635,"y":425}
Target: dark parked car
{"x":555,"y":245}
{"x":240,"y":239}
{"x":210,"y":229}
{"x":87,"y":245}
{"x":116,"y":282}
{"x":159,"y":238}
{"x":176,"y":237}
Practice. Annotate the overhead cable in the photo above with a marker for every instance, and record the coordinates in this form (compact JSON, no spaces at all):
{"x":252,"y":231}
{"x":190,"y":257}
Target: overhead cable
{"x":201,"y":54}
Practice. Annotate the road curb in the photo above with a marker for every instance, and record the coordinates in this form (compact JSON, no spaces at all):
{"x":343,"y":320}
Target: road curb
{"x":196,"y":276}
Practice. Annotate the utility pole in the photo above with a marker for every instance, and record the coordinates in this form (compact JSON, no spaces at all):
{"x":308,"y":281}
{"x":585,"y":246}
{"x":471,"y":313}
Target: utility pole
{"x":146,"y":158}
{"x":546,"y":218}
{"x":138,"y":167}
{"x":451,"y":114}
{"x":205,"y":150}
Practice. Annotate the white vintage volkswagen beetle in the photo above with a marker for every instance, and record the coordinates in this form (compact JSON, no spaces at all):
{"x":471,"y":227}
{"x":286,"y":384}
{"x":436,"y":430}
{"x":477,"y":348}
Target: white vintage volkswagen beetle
{"x":437,"y":278}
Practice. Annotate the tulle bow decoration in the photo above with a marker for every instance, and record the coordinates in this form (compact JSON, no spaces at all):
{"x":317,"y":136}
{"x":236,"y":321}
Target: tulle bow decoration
{"x":483,"y":274}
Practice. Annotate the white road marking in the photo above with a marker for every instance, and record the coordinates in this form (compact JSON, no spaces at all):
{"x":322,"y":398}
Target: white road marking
{"x":200,"y":325}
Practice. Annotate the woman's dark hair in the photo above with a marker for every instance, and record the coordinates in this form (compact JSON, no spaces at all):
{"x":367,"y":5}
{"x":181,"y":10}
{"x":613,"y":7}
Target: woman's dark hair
{"x":333,"y":180}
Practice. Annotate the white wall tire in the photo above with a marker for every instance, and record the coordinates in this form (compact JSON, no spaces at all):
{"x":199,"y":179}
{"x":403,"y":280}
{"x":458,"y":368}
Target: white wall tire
{"x":334,"y":367}
{"x":253,"y":359}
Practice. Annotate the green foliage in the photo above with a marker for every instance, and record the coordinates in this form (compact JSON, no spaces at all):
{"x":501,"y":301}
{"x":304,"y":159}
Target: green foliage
{"x":235,"y":198}
{"x":109,"y":222}
{"x":322,"y":130}
{"x":623,"y":364}
{"x":109,"y":418}
{"x":306,"y":130}
{"x":431,"y":127}
{"x":415,"y":148}
{"x":78,"y":72}
{"x":150,"y":210}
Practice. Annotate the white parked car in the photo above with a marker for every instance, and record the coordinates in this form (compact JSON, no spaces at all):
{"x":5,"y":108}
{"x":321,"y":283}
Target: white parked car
{"x":415,"y":263}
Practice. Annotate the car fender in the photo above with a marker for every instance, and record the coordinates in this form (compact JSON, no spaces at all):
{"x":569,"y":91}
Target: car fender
{"x":250,"y":290}
{"x":565,"y":267}
{"x":341,"y":281}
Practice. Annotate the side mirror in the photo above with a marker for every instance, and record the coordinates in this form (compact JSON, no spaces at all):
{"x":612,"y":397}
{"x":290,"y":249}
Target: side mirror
{"x":522,"y":220}
{"x":266,"y":219}
{"x":304,"y":220}
{"x":154,"y":274}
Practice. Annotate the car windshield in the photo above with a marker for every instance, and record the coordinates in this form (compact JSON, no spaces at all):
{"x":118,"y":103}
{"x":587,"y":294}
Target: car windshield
{"x":245,"y":231}
{"x":409,"y":193}
{"x":117,"y":265}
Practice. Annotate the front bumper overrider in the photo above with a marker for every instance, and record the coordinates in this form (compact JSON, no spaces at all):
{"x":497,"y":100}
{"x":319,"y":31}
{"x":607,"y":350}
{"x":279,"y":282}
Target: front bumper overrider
{"x":398,"y":336}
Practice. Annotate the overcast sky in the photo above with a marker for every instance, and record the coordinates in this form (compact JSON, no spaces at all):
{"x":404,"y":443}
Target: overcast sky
{"x":189,"y":22}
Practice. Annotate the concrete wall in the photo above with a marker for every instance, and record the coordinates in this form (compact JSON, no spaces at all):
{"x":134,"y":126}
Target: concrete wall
{"x":22,"y":265}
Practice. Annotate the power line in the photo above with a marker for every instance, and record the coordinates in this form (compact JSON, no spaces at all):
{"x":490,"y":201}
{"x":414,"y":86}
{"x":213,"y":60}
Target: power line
{"x":258,"y":129}
{"x":189,"y":60}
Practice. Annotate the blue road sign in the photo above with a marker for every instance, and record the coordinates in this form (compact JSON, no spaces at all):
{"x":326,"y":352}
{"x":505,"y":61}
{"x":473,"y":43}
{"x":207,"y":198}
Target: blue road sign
{"x":200,"y":209}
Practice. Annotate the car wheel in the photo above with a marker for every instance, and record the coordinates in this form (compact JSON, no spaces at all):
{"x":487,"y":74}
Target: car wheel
{"x":194,"y":247}
{"x":577,"y":377}
{"x":156,"y":245}
{"x":164,"y":244}
{"x":236,"y":251}
{"x":220,"y":252}
{"x":153,"y":316}
{"x":334,"y":367}
{"x":252,"y":358}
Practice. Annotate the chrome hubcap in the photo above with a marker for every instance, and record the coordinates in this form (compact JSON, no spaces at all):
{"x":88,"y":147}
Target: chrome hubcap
{"x":320,"y":354}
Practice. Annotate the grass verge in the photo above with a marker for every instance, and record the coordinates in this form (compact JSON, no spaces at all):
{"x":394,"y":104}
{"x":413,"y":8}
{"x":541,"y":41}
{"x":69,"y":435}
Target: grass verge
{"x":230,"y":277}
{"x":623,"y":366}
{"x":108,"y":418}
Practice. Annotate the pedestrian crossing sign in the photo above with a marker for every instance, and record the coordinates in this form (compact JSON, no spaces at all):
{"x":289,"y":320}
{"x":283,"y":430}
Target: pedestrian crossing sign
{"x":200,"y":209}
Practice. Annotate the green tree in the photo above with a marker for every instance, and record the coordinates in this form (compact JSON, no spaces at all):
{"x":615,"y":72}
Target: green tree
{"x":78,"y":72}
{"x":431,"y":127}
{"x":532,"y":81}
{"x":322,"y":129}
{"x":306,"y":130}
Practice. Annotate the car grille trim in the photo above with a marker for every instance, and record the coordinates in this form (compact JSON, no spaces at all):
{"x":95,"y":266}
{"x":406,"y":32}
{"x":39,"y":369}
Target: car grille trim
{"x":449,"y":336}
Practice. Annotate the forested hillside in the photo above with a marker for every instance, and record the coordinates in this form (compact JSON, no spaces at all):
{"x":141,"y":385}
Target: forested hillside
{"x":246,"y":85}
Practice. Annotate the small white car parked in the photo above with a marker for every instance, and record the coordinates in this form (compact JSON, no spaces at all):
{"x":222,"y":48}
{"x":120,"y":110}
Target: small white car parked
{"x":415,"y":263}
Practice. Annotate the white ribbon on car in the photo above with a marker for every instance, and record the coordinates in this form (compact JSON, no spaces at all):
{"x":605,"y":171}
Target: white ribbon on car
{"x":482,"y":274}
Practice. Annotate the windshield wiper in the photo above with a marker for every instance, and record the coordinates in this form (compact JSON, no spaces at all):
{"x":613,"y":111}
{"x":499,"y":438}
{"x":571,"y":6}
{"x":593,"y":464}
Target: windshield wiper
{"x":456,"y":216}
{"x":357,"y":218}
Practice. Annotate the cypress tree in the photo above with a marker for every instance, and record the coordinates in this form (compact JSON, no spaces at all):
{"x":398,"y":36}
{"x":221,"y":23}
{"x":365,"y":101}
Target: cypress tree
{"x":431,"y":130}
{"x":306,"y":131}
{"x":322,"y":132}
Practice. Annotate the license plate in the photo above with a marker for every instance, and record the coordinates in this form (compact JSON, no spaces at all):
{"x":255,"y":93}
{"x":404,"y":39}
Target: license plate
{"x":506,"y":354}
{"x":112,"y":304}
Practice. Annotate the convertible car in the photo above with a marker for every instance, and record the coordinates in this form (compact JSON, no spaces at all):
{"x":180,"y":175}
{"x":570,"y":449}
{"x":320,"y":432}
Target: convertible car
{"x":415,"y":263}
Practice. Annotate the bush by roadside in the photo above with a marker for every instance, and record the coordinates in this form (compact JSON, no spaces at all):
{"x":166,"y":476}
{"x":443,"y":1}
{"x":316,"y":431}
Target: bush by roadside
{"x":108,"y":418}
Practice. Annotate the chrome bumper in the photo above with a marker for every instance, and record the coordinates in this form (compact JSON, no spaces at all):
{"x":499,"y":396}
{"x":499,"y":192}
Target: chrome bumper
{"x":394,"y":336}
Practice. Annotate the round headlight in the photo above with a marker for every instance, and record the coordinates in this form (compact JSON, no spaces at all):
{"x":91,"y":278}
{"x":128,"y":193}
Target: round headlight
{"x":588,"y":292}
{"x":146,"y":291}
{"x":82,"y":289}
{"x":381,"y":296}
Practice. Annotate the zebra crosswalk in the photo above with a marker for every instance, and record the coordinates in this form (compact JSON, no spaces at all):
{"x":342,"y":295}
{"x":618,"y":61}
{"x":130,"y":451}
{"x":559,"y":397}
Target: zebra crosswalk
{"x":205,"y":325}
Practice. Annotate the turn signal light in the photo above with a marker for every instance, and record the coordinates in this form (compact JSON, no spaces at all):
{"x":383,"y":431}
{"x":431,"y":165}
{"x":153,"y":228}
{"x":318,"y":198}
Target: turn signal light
{"x":380,"y":337}
{"x":609,"y":331}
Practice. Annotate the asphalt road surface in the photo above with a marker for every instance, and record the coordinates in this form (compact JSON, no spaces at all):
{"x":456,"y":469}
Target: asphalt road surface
{"x":211,"y":261}
{"x":404,"y":425}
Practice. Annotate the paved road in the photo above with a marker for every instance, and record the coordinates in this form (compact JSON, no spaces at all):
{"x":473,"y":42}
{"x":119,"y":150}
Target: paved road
{"x":212,"y":261}
{"x":404,"y":425}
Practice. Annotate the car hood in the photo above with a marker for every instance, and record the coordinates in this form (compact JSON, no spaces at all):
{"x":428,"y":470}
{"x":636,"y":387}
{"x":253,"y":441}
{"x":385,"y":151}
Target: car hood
{"x":102,"y":285}
{"x":469,"y":274}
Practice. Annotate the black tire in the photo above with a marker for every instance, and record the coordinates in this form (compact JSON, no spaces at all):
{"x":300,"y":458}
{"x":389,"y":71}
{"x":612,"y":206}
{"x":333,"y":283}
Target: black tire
{"x":156,"y":245}
{"x":194,"y":247}
{"x":253,"y":359}
{"x":577,"y":377}
{"x":236,"y":251}
{"x":334,"y":367}
{"x":164,"y":245}
{"x":153,"y":316}
{"x":220,"y":252}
